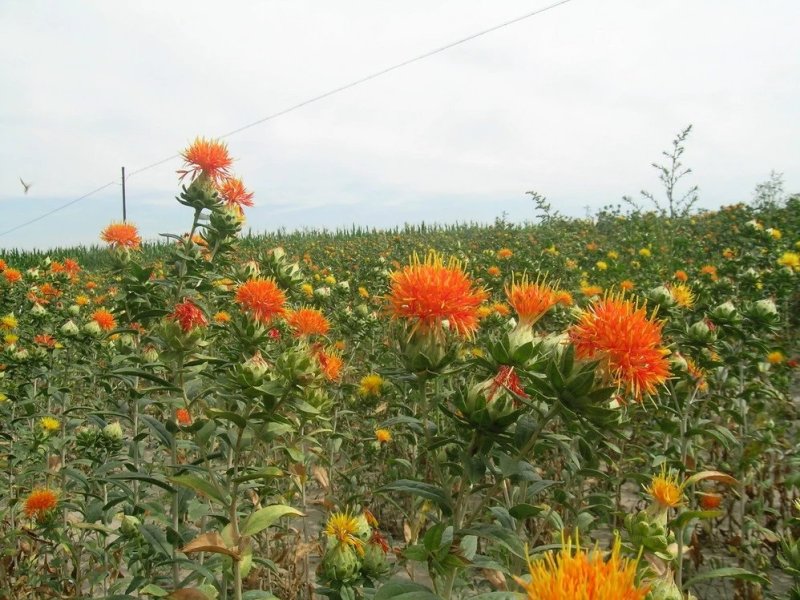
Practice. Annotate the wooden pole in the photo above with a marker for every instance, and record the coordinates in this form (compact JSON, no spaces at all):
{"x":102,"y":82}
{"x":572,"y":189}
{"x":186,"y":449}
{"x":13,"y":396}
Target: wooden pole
{"x":124,"y":211}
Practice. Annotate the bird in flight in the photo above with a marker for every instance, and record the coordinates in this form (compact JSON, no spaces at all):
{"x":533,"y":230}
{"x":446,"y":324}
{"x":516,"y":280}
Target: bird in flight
{"x":27,"y":186}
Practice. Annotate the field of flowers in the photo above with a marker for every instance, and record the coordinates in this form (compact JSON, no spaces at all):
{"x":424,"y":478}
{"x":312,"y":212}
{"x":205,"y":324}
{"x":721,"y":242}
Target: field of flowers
{"x":600,"y":409}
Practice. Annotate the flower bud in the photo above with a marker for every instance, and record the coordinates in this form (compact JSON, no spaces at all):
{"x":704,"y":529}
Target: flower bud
{"x":93,"y":329}
{"x":661,"y":295}
{"x":340,"y":564}
{"x":256,"y":367}
{"x":113,"y":432}
{"x":69,"y":329}
{"x":150,"y":354}
{"x":700,"y":332}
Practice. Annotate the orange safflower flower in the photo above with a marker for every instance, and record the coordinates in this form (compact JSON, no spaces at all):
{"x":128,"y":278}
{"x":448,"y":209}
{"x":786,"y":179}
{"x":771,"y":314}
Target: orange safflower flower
{"x":709,"y":500}
{"x":3,"y":265}
{"x":775,"y":357}
{"x":12,"y":275}
{"x":620,"y":334}
{"x":330,"y":364}
{"x":709,"y":270}
{"x":222,"y":317}
{"x":233,"y":192}
{"x":530,"y":301}
{"x":307,"y":321}
{"x":697,"y":374}
{"x":105,"y":319}
{"x":71,"y":266}
{"x":682,"y":295}
{"x":626,"y":285}
{"x":206,"y":157}
{"x":493,"y":271}
{"x":583,"y":575}
{"x":591,"y":290}
{"x":564,"y":298}
{"x":49,"y":289}
{"x":40,"y":502}
{"x":500,"y":309}
{"x":44,"y":339}
{"x":384,"y":436}
{"x":430,"y":292}
{"x":56,"y":267}
{"x":262,"y":298}
{"x":183,"y":417}
{"x":664,"y":489}
{"x":504,"y":253}
{"x":121,"y":235}
{"x":188,"y":315}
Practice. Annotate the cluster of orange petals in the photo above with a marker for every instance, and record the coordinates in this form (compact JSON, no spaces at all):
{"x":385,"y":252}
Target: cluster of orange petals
{"x":620,"y":333}
{"x":262,"y":299}
{"x":583,"y":576}
{"x":530,"y":301}
{"x":665,"y":490}
{"x":40,"y":502}
{"x":507,"y":379}
{"x":307,"y":322}
{"x":44,"y":339}
{"x":104,"y":319}
{"x":206,"y":157}
{"x":121,"y":235}
{"x":430,"y":292}
{"x":330,"y":364}
{"x":188,"y":315}
{"x":183,"y":417}
{"x":12,"y":275}
{"x":233,"y":192}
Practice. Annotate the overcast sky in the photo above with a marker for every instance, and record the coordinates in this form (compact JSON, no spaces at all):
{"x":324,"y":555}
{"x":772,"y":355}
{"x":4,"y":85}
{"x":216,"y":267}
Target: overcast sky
{"x":574,"y":103}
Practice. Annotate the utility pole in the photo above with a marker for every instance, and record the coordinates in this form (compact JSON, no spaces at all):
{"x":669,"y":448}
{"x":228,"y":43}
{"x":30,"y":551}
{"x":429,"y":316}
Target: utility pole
{"x":124,"y":212}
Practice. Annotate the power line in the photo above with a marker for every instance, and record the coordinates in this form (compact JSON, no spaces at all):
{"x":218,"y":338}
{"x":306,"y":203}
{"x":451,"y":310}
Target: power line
{"x":307,"y":102}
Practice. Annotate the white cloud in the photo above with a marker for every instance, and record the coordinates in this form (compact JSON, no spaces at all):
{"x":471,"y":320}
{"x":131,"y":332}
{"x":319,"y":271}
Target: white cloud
{"x":575,"y":103}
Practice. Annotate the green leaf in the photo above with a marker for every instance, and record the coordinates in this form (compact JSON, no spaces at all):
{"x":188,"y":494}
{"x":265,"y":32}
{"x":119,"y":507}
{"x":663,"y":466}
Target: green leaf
{"x":156,"y":539}
{"x":499,"y":596}
{"x":425,"y":490}
{"x":524,"y":511}
{"x":265,"y":473}
{"x":264,"y":517}
{"x":200,"y":486}
{"x":505,"y":537}
{"x":142,"y":477}
{"x":152,"y":589}
{"x":404,"y":590}
{"x":686,"y":516}
{"x":225,"y":415}
{"x":164,"y":436}
{"x":733,"y":572}
{"x":145,"y":375}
